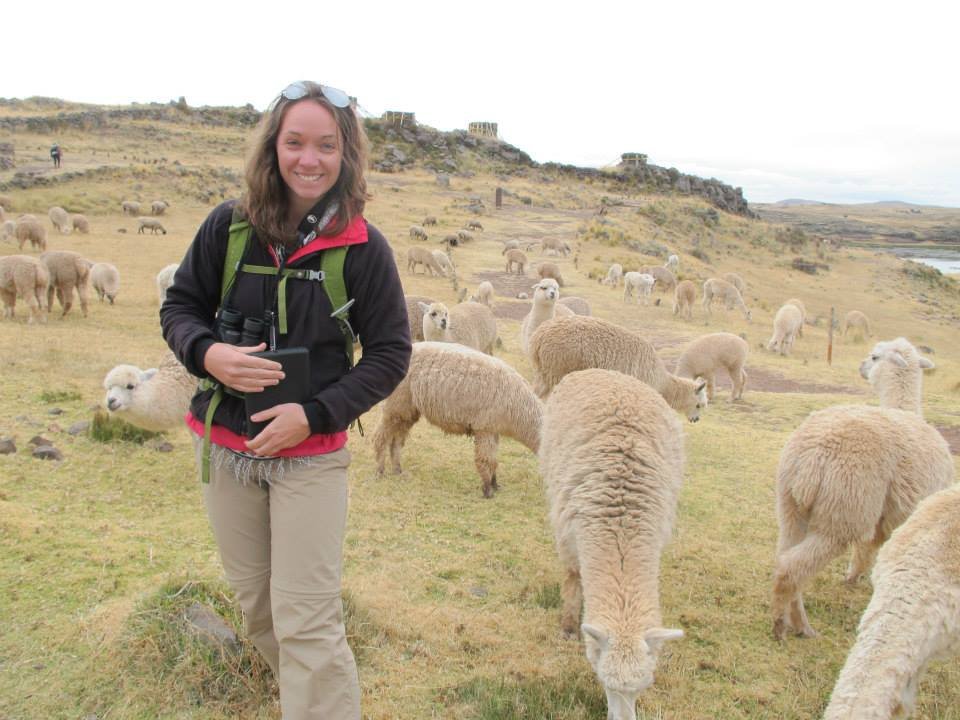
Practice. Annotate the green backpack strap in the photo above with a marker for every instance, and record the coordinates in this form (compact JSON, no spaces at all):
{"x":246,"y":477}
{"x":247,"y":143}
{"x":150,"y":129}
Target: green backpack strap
{"x":236,"y":244}
{"x":331,"y":264}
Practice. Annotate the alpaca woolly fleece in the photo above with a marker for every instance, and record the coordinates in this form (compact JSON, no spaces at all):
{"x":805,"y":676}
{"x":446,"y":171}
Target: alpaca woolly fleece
{"x":60,"y":219}
{"x":638,"y":285}
{"x":544,"y":307}
{"x":105,"y":279}
{"x":858,"y":322}
{"x":462,"y":392}
{"x":786,"y":327}
{"x":613,"y":275}
{"x":484,"y":294}
{"x":422,"y":256}
{"x":611,"y":458}
{"x":719,"y":289}
{"x":156,"y":399}
{"x":25,"y":277}
{"x":708,"y":353}
{"x":165,"y":280}
{"x":894,"y":370}
{"x":550,"y":270}
{"x":849,"y":474}
{"x":578,"y":305}
{"x":565,"y":345}
{"x":913,"y":616}
{"x":68,"y":270}
{"x":684,"y":296}
{"x":803,"y":312}
{"x":469,"y":323}
{"x":415,"y":310}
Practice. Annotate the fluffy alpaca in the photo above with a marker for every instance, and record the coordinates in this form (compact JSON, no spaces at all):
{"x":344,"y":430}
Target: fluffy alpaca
{"x":611,"y":458}
{"x":463,"y":392}
{"x":165,"y":280}
{"x":684,"y":296}
{"x":851,"y":474}
{"x":894,"y":370}
{"x":708,"y":353}
{"x":544,"y":307}
{"x":68,"y":270}
{"x":578,"y":305}
{"x":717,"y":288}
{"x":858,"y":322}
{"x":28,"y":278}
{"x":155,"y":399}
{"x":613,"y":275}
{"x":105,"y":279}
{"x":803,"y":313}
{"x":913,"y":616}
{"x":786,"y":327}
{"x":484,"y":294}
{"x":639,"y":285}
{"x":415,"y":309}
{"x":469,"y":323}
{"x":564,"y":345}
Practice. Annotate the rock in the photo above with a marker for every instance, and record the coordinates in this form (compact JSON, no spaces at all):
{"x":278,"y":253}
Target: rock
{"x":55,"y":411}
{"x":211,"y":629}
{"x":38,"y":440}
{"x":7,"y":446}
{"x":926,"y":349}
{"x":47,"y":452}
{"x":163,"y":447}
{"x":78,"y":427}
{"x":479,"y":591}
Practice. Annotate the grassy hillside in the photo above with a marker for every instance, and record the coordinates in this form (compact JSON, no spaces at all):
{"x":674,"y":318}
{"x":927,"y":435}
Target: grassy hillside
{"x":453,"y":600}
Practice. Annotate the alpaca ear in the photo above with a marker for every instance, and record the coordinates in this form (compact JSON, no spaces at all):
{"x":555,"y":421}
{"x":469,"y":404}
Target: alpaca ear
{"x":598,"y":635}
{"x":926,"y":364}
{"x":896,"y":358}
{"x":147,"y":374}
{"x":701,"y":385}
{"x":424,"y":306}
{"x":656,"y":637}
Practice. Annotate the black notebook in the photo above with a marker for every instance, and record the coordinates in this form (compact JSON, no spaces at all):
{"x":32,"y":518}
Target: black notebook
{"x":295,"y":386}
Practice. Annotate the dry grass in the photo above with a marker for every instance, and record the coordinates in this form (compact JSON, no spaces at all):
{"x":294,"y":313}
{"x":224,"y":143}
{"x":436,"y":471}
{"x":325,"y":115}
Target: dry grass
{"x":453,"y":598}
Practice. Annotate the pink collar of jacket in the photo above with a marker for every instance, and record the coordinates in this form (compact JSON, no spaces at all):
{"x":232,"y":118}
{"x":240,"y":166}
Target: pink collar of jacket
{"x":354,"y":234}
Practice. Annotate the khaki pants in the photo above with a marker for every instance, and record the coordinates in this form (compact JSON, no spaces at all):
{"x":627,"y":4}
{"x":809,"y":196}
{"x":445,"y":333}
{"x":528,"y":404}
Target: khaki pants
{"x":281,"y":547}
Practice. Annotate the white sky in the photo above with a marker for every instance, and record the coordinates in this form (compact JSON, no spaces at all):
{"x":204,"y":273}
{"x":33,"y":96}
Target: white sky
{"x":842,"y":101}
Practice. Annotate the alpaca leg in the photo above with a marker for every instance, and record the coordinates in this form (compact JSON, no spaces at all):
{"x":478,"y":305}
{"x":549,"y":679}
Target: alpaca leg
{"x":84,"y":298}
{"x":710,"y":377}
{"x":738,"y":378}
{"x":485,"y":458}
{"x":864,"y":553}
{"x":572,"y":595}
{"x":794,"y":568}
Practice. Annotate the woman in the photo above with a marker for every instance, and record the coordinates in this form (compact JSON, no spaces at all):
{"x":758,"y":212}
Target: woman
{"x":277,"y":501}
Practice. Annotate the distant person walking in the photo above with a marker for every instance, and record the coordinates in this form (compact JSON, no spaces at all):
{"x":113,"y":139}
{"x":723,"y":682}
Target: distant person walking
{"x":56,"y":153}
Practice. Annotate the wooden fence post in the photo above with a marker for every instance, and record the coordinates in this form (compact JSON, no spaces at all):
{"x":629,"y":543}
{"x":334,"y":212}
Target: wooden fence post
{"x":499,"y":197}
{"x":830,"y":340}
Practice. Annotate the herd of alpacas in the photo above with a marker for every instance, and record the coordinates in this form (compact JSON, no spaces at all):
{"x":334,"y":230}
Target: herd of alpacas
{"x":601,"y":413}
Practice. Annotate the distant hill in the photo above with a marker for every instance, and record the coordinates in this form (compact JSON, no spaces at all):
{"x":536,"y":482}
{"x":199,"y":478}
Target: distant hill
{"x":888,"y":221}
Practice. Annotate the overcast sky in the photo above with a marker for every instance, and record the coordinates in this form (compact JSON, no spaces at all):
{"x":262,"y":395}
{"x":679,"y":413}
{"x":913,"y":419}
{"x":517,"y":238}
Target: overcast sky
{"x":838,"y":101}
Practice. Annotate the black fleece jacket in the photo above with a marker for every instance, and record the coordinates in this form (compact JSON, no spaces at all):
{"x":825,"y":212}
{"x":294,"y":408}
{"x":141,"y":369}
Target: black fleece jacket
{"x":378,"y":316}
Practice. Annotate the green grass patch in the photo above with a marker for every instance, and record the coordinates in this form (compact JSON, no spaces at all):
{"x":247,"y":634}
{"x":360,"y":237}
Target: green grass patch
{"x":107,"y":429}
{"x":569,"y":697}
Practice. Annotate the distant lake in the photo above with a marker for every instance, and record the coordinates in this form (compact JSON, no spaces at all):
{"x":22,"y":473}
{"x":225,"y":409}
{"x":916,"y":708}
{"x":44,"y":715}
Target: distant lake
{"x":946,"y":261}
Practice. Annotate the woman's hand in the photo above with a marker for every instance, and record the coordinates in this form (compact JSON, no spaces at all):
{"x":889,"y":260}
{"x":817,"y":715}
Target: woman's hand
{"x":289,"y":427}
{"x":236,"y":368}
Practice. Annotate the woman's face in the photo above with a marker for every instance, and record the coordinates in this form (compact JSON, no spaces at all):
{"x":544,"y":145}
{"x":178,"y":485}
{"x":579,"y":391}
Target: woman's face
{"x":309,"y":153}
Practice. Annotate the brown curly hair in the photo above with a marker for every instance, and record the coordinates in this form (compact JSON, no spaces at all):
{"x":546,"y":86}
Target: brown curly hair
{"x":265,"y":201}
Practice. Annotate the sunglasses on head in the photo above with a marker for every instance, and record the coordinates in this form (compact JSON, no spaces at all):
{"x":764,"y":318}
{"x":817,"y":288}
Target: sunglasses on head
{"x":299,"y":89}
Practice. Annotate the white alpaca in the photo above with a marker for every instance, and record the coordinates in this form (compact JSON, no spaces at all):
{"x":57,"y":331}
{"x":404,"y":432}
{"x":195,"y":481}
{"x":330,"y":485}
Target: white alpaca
{"x":155,"y":399}
{"x":913,"y":616}
{"x":851,"y":474}
{"x":611,"y":458}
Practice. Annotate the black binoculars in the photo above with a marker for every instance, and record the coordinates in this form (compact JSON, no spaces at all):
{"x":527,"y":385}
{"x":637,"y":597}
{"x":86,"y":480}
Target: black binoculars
{"x":236,"y":330}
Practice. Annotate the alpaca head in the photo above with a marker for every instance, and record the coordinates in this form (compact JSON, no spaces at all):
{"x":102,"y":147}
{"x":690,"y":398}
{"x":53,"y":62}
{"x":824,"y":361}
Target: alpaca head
{"x":547,"y":290}
{"x":624,"y":665}
{"x":120,"y":384}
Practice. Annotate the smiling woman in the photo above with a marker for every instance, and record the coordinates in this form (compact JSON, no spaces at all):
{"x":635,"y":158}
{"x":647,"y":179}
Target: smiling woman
{"x":277,"y":497}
